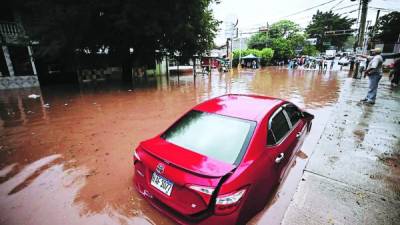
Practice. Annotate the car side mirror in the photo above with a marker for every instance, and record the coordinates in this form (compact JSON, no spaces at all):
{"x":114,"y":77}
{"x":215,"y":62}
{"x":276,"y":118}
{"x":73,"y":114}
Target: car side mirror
{"x":307,"y":116}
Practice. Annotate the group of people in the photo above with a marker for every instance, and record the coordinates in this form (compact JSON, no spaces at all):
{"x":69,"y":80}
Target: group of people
{"x":249,"y":64}
{"x":311,"y":63}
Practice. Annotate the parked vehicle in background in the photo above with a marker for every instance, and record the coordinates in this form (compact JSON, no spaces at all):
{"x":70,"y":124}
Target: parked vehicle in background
{"x":220,"y":162}
{"x":330,"y":54}
{"x":344,"y":61}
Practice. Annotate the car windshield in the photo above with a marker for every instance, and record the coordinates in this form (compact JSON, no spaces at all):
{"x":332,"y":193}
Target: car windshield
{"x":218,"y":137}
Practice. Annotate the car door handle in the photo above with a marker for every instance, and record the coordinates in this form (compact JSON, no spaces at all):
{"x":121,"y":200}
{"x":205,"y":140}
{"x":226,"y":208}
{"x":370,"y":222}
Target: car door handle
{"x":298,"y":135}
{"x":279,"y":158}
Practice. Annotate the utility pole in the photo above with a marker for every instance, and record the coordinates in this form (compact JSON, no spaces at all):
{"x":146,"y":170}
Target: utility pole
{"x":376,"y":24}
{"x":364,"y":11}
{"x":361,"y":30}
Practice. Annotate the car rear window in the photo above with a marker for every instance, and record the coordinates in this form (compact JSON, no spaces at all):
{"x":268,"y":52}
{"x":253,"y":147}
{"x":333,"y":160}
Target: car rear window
{"x":218,"y":137}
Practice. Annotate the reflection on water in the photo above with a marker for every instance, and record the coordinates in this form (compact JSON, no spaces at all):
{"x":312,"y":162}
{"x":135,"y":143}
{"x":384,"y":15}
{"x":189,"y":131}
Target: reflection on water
{"x":66,"y":157}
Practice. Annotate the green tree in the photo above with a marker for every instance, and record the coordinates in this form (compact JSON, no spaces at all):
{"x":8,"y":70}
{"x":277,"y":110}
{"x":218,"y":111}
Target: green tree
{"x":388,"y":29}
{"x":258,"y":41}
{"x":327,"y":21}
{"x":309,"y":50}
{"x":283,"y":48}
{"x":129,"y":31}
{"x":284,"y":37}
{"x":266,"y":55}
{"x":283,"y":28}
{"x":349,"y":43}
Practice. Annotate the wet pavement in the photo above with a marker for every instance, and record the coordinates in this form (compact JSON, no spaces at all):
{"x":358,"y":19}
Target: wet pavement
{"x":353,"y":175}
{"x":66,"y":156}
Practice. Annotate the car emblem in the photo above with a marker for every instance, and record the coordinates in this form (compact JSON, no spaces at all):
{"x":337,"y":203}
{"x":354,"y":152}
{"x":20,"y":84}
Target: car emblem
{"x":160,"y":168}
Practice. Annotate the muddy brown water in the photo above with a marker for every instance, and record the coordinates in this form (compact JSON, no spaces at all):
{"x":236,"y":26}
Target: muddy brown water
{"x":66,"y":156}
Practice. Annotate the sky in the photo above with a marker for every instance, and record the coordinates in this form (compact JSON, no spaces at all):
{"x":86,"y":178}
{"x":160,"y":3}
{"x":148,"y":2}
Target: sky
{"x":252,"y":14}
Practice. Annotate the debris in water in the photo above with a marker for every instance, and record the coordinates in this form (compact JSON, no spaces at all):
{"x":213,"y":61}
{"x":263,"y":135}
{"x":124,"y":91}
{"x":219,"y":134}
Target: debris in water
{"x":34,"y":96}
{"x":95,"y":196}
{"x":47,"y":105}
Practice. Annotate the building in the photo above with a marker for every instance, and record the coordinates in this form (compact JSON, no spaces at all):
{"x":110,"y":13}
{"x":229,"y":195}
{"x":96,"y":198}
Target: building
{"x":17,"y":66}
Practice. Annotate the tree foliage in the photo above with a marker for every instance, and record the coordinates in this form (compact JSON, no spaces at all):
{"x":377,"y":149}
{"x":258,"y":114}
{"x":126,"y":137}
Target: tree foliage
{"x":258,"y":41}
{"x":284,"y":37}
{"x":67,"y":27}
{"x":283,"y":28}
{"x":283,"y":48}
{"x":327,"y":21}
{"x":265,"y":54}
{"x":388,"y":28}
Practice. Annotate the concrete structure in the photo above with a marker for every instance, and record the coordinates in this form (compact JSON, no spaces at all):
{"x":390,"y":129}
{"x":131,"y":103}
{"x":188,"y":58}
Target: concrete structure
{"x":17,"y":66}
{"x":240,"y":43}
{"x":352,"y":176}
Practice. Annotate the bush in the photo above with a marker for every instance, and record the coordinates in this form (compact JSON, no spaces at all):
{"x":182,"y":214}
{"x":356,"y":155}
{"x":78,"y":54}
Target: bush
{"x":265,"y":55}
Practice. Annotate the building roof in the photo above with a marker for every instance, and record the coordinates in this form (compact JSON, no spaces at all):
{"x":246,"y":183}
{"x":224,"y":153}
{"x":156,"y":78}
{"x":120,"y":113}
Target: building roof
{"x":249,"y":107}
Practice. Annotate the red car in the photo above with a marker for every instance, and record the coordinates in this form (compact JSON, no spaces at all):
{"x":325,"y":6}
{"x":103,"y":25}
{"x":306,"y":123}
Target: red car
{"x":219,"y":162}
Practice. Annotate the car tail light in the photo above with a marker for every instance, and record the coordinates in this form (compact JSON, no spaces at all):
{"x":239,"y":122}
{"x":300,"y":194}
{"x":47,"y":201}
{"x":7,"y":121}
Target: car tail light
{"x":203,"y":191}
{"x":227,"y":203}
{"x":135,"y":157}
{"x":138,"y":165}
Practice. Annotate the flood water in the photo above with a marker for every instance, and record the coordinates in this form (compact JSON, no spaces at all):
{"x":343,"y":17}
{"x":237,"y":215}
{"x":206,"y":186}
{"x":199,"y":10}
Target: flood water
{"x":66,"y":156}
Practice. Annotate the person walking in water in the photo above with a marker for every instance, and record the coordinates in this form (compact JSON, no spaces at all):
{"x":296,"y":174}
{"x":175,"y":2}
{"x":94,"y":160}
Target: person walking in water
{"x":325,"y":65}
{"x":374,"y":73}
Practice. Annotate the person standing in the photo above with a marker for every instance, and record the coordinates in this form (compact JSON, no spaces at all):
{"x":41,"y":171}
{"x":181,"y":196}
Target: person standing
{"x":395,"y":74}
{"x":254,"y":64}
{"x":374,"y":73}
{"x":320,"y":64}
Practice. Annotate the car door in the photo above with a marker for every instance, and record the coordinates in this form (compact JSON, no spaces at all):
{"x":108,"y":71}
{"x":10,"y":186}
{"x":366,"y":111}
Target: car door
{"x":280,"y":141}
{"x":297,"y":132}
{"x":297,"y":122}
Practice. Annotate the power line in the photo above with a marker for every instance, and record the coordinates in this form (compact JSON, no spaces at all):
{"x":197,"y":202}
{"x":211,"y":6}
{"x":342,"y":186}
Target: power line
{"x":384,"y":9}
{"x":345,"y":7}
{"x":305,"y":10}
{"x":355,"y":10}
{"x":337,"y":4}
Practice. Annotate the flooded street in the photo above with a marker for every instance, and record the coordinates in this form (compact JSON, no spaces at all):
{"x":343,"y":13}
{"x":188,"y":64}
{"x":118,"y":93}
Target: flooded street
{"x":66,"y":156}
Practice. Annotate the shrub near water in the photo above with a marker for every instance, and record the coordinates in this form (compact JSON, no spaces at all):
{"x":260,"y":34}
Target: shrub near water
{"x":265,"y":55}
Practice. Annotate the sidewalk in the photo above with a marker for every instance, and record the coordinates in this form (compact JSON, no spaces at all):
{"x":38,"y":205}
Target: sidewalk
{"x":353,"y":175}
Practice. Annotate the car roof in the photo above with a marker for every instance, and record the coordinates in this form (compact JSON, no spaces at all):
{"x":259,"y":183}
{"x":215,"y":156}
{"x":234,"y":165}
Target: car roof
{"x":249,"y":107}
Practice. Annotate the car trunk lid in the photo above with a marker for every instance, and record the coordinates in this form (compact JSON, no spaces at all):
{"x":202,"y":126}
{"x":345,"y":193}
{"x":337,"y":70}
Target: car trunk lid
{"x":191,"y":177}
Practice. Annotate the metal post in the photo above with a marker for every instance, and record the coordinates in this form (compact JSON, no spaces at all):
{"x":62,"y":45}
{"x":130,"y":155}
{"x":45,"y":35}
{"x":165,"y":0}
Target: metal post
{"x":376,"y":24}
{"x":360,"y":41}
{"x":365,"y":47}
{"x":32,"y":60}
{"x":240,"y":51}
{"x":194,"y":66}
{"x":8,"y":60}
{"x":227,"y":47}
{"x":166,"y":65}
{"x":364,"y":11}
{"x":209,"y":65}
{"x":231,"y":55}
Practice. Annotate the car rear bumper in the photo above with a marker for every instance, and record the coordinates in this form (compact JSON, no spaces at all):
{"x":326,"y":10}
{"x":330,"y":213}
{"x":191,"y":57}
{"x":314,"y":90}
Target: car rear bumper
{"x":201,"y":219}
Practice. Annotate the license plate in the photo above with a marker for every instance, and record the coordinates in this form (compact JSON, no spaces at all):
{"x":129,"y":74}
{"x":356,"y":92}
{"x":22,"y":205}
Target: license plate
{"x":162,"y":184}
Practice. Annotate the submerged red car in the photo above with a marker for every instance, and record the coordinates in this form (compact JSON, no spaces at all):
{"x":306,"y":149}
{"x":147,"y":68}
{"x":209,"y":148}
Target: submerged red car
{"x":220,"y":161}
